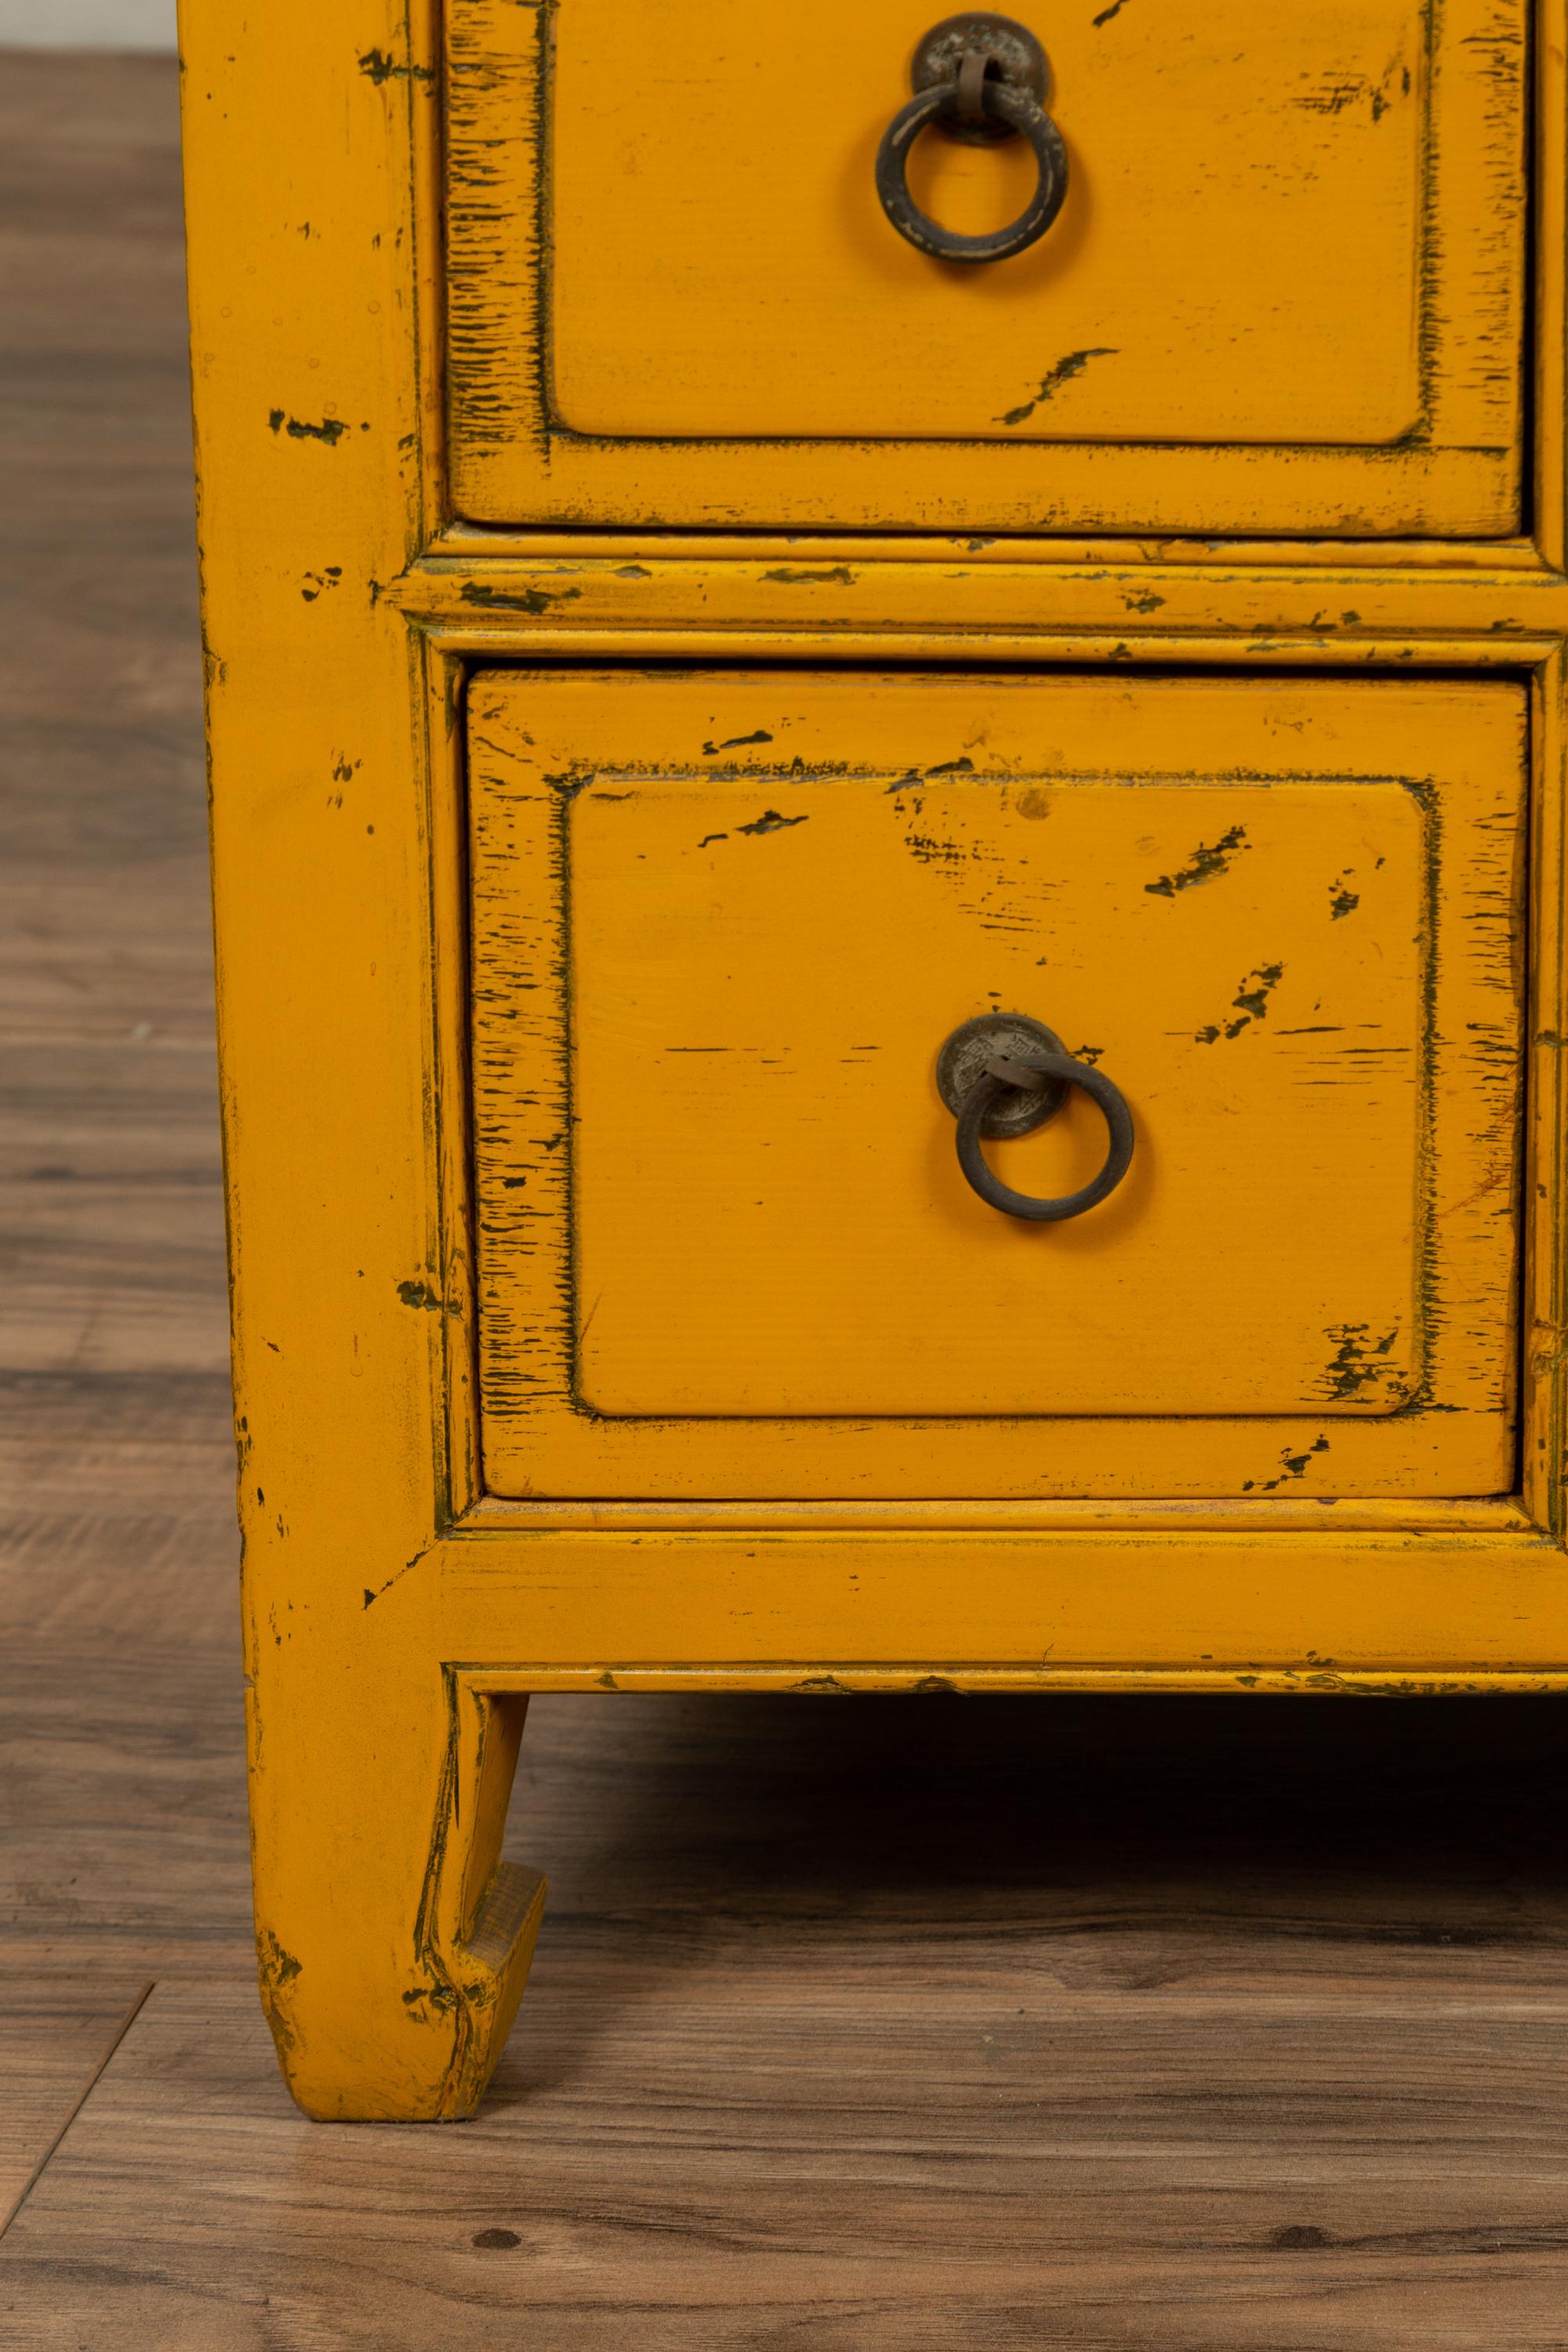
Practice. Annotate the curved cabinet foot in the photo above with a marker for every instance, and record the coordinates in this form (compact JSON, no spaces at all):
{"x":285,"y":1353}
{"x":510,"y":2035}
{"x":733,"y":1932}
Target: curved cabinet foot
{"x":392,"y":1941}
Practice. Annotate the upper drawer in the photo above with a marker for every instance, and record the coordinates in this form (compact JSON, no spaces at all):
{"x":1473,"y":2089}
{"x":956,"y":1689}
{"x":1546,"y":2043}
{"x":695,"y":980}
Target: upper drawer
{"x":1283,"y":293}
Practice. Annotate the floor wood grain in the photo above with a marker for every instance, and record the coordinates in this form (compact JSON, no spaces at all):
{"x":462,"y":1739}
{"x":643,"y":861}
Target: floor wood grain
{"x":1221,"y":2026}
{"x":56,"y":2035}
{"x":791,"y":2150}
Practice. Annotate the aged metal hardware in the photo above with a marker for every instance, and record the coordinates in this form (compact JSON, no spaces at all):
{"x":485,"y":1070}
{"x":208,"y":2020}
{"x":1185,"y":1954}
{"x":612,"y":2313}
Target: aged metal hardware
{"x":979,"y":78}
{"x":1007,"y":1075}
{"x":962,"y":1063}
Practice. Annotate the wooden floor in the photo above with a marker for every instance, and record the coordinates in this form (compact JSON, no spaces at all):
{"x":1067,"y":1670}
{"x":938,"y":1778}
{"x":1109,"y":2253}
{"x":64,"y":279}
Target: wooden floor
{"x":938,"y":2023}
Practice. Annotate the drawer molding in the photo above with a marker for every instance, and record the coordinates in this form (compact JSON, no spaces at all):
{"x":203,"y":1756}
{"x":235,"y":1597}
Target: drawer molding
{"x":1129,"y":609}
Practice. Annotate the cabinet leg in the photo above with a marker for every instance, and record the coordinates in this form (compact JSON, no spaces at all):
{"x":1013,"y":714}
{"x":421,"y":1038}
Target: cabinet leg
{"x":392,"y":1941}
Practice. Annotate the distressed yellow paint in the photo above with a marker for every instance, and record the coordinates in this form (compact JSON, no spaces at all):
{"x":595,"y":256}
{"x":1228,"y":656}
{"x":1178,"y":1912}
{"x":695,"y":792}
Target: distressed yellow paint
{"x":717,"y":1188}
{"x":1285,"y":291}
{"x":396,"y":1615}
{"x":1242,"y":190}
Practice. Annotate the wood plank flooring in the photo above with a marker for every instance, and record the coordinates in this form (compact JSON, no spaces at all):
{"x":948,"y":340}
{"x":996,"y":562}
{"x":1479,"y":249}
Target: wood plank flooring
{"x":57,"y":2036}
{"x":1230,"y":2026}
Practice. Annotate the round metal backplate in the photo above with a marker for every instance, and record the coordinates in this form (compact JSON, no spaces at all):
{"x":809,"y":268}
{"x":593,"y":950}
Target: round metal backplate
{"x":962,"y":1060}
{"x":1017,"y":57}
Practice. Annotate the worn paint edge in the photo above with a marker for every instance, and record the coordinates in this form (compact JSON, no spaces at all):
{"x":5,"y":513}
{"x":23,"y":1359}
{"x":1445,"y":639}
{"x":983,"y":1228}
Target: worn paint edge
{"x":808,"y":1677}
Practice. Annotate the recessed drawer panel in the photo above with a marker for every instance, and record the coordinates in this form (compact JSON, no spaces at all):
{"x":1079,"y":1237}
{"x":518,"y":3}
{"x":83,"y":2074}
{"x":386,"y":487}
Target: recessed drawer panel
{"x":722,"y":928}
{"x":1282,"y":291}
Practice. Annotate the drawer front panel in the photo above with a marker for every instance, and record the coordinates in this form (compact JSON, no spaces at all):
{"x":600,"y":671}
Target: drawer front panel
{"x":1283,"y":291}
{"x":722,"y":928}
{"x":753,"y":1042}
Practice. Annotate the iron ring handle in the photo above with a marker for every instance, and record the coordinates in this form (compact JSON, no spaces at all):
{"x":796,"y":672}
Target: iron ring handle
{"x":1017,"y":107}
{"x":989,"y":1089}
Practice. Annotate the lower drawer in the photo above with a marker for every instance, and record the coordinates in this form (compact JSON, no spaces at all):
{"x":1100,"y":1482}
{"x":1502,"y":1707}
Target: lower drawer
{"x":723,"y":924}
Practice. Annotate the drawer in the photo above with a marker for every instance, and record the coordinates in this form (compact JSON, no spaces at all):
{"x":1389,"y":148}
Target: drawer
{"x":722,"y":928}
{"x":1283,"y":293}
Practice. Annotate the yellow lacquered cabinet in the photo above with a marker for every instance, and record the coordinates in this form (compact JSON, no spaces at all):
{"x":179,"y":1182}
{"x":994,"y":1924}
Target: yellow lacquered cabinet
{"x":686,"y":661}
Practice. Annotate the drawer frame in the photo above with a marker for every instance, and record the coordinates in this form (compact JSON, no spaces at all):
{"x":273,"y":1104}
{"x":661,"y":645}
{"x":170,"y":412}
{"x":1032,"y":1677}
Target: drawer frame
{"x":395,"y":1619}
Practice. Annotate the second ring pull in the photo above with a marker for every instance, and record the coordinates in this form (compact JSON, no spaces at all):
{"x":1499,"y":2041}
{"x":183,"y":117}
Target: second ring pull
{"x":1005,"y":1074}
{"x":982,"y":78}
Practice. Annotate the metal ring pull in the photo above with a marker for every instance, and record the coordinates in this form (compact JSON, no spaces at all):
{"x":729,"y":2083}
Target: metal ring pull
{"x":981,"y":77}
{"x":1007,"y":1075}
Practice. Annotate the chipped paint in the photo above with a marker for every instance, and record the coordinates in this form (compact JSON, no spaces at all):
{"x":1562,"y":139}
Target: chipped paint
{"x":736,"y":743}
{"x":1251,"y":1005}
{"x":1206,"y":862}
{"x":771,"y":821}
{"x":1053,"y":380}
{"x":330,"y":429}
{"x":379,"y":67}
{"x":277,"y":1970}
{"x":488,"y":598}
{"x":839,"y":574}
{"x":1359,"y":1358}
{"x":1291,"y":1466}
